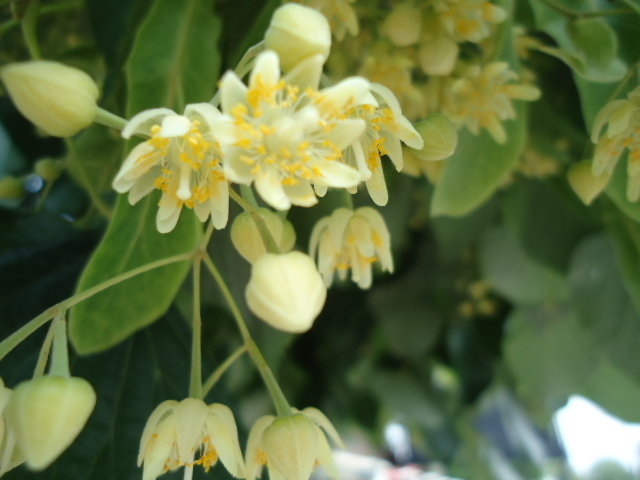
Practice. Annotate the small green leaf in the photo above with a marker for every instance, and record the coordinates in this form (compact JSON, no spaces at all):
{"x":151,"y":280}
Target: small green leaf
{"x":130,"y":241}
{"x":521,"y":279}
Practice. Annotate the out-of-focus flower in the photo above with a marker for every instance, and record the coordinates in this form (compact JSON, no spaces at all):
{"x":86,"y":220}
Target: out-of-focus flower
{"x":403,"y":24}
{"x":291,"y":446}
{"x":296,"y":33}
{"x":188,"y":433}
{"x":482,"y":98}
{"x":468,"y":20}
{"x":46,"y":414}
{"x":440,"y":137}
{"x":49,"y":169}
{"x":622,"y":132}
{"x":181,"y":159}
{"x":438,"y":52}
{"x":341,"y":15}
{"x":351,"y":240}
{"x":10,"y":456}
{"x":386,"y":129}
{"x":59,"y":99}
{"x":286,"y":291}
{"x":248,"y":241}
{"x":285,"y":135}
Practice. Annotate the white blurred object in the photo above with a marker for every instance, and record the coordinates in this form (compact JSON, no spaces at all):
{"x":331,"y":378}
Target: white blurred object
{"x":398,"y":439}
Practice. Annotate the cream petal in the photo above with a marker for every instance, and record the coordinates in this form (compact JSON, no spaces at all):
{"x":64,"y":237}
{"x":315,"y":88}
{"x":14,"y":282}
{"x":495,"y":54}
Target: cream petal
{"x":174,"y":126}
{"x":222,"y":430}
{"x":301,"y":194}
{"x":361,"y":161}
{"x":141,"y":188}
{"x":337,"y":174}
{"x":326,"y":259}
{"x":388,"y":98}
{"x":232,"y":92}
{"x":254,"y":445}
{"x":346,"y":93}
{"x":307,"y":73}
{"x":269,"y":187}
{"x":314,"y":239}
{"x":207,"y":112}
{"x":143,"y":121}
{"x":325,"y":457}
{"x":203,"y":210}
{"x":377,"y":188}
{"x":361,"y":231}
{"x":168,"y":214}
{"x":266,"y":68}
{"x":219,"y":203}
{"x":338,"y":225}
{"x":159,"y":449}
{"x":346,"y":132}
{"x":322,"y":421}
{"x":408,"y":134}
{"x":158,"y":413}
{"x":393,"y":150}
{"x":123,"y":180}
{"x":235,"y":169}
{"x":190,"y":415}
{"x":620,"y":118}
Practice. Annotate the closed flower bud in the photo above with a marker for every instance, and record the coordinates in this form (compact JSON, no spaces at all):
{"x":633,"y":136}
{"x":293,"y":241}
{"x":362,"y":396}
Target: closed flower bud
{"x":440,"y":137}
{"x":402,"y":26}
{"x":297,"y":32}
{"x":48,"y":168}
{"x":61,"y":100}
{"x":586,"y":185}
{"x":11,"y":187}
{"x":438,"y":51}
{"x":248,"y":241}
{"x":46,"y":414}
{"x":286,"y":291}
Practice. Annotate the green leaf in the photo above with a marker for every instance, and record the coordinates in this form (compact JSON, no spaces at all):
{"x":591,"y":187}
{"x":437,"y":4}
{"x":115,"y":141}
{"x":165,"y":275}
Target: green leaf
{"x":130,"y":241}
{"x":635,"y":4}
{"x":174,"y":60}
{"x":512,"y":273}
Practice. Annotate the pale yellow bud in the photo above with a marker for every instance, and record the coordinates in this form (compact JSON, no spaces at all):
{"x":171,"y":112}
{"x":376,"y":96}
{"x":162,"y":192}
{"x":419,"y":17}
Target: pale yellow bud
{"x":402,"y":26}
{"x":11,"y":187}
{"x":48,"y":168}
{"x":46,"y":414}
{"x":248,"y":241}
{"x":286,"y":291}
{"x":440,"y":137}
{"x":297,"y":32}
{"x":584,"y":183}
{"x":61,"y":100}
{"x":438,"y":51}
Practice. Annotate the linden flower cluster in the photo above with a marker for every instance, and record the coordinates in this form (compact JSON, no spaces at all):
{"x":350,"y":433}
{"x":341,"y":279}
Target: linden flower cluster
{"x":622,"y":121}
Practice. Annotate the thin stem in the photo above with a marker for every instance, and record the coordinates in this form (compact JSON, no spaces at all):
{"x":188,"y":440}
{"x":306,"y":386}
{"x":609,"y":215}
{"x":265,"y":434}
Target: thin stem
{"x":43,"y":356}
{"x":108,"y":119}
{"x":218,"y":372}
{"x":75,"y":162}
{"x":269,"y":243}
{"x":207,"y":235}
{"x":347,"y":199}
{"x":59,"y":364}
{"x":278,"y":398}
{"x":29,"y":29}
{"x":23,"y":332}
{"x":195,"y":382}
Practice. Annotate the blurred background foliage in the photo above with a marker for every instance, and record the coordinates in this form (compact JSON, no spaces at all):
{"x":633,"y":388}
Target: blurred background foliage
{"x":509,"y":294}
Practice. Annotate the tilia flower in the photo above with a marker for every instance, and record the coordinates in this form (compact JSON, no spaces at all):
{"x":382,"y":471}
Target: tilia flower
{"x":622,"y":121}
{"x":386,"y":129}
{"x":10,"y":455}
{"x":482,"y":98}
{"x":351,"y":240}
{"x":291,"y":446}
{"x":188,"y":433}
{"x":181,"y":159}
{"x":286,"y":136}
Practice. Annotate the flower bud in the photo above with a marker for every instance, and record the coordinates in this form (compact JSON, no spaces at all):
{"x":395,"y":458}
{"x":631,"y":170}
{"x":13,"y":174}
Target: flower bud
{"x":291,"y":445}
{"x":248,"y":241}
{"x":438,"y":52}
{"x":286,"y":291}
{"x":11,"y":187}
{"x":61,"y":100}
{"x":402,"y":26}
{"x":440,"y":137}
{"x":46,"y":414}
{"x":586,"y":185}
{"x":48,"y":168}
{"x":297,"y":32}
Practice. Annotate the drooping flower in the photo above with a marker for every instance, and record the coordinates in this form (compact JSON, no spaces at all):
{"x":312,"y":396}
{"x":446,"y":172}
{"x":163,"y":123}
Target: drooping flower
{"x":286,"y":291}
{"x":351,"y":240}
{"x":286,"y":136}
{"x":189,"y":433}
{"x":181,"y":159}
{"x":468,"y":20}
{"x":386,"y":128}
{"x":291,"y":446}
{"x":482,"y":98}
{"x":622,"y":132}
{"x":46,"y":415}
{"x":59,"y":99}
